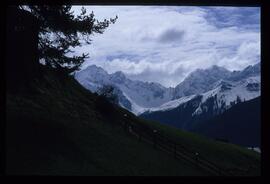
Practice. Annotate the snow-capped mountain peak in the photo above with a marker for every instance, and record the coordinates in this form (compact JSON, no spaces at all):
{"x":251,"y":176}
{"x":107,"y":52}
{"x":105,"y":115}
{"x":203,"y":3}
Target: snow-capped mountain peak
{"x":249,"y":71}
{"x":200,"y":81}
{"x":95,"y":70}
{"x":118,"y":77}
{"x":171,"y":104}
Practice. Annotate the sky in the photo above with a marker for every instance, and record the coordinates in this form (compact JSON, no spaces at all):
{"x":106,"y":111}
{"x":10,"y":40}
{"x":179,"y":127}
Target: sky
{"x":165,"y":43}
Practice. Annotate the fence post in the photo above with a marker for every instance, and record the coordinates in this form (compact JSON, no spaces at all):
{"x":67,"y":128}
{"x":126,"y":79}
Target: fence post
{"x":140,"y":136}
{"x":125,"y":126}
{"x":129,"y":128}
{"x":248,"y":169}
{"x":174,"y":150}
{"x":154,"y":138}
{"x":196,"y":158}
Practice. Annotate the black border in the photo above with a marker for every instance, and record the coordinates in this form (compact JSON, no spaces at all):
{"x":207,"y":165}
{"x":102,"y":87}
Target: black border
{"x":265,"y":87}
{"x":264,"y":90}
{"x":145,"y":2}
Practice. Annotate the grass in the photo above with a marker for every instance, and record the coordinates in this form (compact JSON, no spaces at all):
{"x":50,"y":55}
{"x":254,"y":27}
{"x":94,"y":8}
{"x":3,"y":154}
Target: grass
{"x":225,"y":155}
{"x":56,"y":127}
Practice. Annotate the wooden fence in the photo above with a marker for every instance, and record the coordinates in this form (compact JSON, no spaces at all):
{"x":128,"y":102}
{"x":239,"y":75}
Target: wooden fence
{"x":179,"y":151}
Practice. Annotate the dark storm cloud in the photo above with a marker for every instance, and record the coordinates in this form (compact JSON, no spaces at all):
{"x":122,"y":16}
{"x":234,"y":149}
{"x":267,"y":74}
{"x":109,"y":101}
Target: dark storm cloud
{"x":171,"y":35}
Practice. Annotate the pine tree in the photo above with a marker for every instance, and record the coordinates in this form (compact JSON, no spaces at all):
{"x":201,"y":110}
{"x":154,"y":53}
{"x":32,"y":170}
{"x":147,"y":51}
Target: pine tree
{"x":60,"y":30}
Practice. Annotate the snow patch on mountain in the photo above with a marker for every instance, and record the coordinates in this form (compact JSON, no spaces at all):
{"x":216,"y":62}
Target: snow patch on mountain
{"x":136,"y":109}
{"x":171,"y":104}
{"x":226,"y":98}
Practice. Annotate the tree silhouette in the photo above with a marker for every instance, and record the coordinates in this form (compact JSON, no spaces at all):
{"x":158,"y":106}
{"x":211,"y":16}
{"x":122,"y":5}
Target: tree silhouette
{"x":107,"y":91}
{"x":60,"y":30}
{"x":238,"y":99}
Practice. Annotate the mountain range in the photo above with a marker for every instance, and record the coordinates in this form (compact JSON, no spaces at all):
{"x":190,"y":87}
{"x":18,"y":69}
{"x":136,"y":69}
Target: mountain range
{"x":144,"y":97}
{"x":186,"y":111}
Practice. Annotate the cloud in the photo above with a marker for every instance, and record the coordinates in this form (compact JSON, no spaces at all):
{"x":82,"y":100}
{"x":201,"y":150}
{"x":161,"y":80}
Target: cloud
{"x":230,"y":16}
{"x":171,"y":35}
{"x":164,"y":44}
{"x":164,"y":77}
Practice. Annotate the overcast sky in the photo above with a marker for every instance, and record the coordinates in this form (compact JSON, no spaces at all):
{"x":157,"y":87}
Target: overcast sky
{"x":165,"y":43}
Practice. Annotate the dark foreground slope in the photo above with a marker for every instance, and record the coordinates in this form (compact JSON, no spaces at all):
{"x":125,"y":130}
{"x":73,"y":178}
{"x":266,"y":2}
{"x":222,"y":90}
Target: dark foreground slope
{"x":240,"y":124}
{"x":56,"y":127}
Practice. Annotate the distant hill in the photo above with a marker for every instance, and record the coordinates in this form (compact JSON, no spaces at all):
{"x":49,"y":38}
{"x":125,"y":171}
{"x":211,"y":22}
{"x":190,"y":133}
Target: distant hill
{"x":240,"y":124}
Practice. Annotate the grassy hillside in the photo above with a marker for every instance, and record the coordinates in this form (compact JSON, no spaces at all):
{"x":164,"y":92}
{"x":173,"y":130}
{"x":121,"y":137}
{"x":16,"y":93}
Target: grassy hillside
{"x":56,"y":127}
